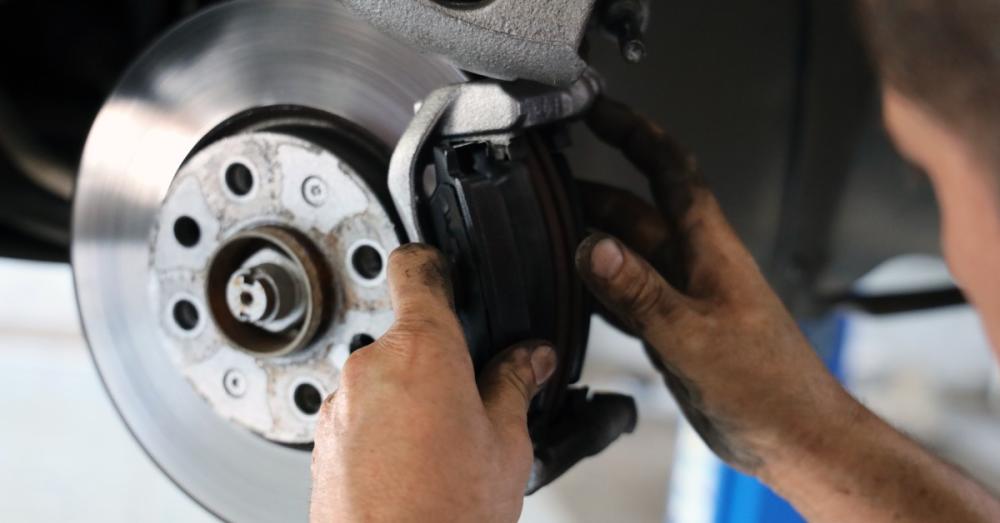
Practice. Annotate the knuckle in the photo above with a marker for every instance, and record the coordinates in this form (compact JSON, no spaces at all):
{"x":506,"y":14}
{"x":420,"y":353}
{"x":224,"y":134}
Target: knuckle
{"x":422,"y":329}
{"x":354,"y":369}
{"x":435,"y":305}
{"x":327,"y":415}
{"x":516,"y":384}
{"x":329,"y":405}
{"x":512,"y":373}
{"x":644,"y":295}
{"x":514,"y":378}
{"x":414,"y":345}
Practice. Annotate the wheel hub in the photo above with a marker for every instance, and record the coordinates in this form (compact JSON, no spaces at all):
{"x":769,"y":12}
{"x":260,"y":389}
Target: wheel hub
{"x":232,"y":224}
{"x":243,"y":154}
{"x":257,"y":269}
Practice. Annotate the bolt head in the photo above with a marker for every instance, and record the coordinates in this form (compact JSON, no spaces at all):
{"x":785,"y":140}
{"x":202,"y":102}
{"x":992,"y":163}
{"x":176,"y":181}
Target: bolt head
{"x":235,"y":383}
{"x":315,"y":191}
{"x":633,"y":51}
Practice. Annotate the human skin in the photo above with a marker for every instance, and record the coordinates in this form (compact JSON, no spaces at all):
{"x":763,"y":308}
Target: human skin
{"x":968,"y":194}
{"x":409,"y":437}
{"x":736,"y":362}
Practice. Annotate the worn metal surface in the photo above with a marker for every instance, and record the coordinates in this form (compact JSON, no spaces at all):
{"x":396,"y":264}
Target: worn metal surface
{"x":505,"y":39}
{"x":490,"y":110}
{"x":226,"y":60}
{"x":263,"y":310}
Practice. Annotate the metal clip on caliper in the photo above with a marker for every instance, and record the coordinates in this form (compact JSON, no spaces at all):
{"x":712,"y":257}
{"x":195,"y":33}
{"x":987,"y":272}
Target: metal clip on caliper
{"x":479,"y":174}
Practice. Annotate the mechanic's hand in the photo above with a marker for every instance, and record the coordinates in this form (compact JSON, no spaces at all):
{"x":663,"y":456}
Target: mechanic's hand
{"x":409,"y":436}
{"x":679,"y":277}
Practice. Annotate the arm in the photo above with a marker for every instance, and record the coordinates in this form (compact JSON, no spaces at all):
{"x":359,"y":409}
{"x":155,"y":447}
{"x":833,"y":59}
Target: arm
{"x":868,"y":471}
{"x":735,"y":360}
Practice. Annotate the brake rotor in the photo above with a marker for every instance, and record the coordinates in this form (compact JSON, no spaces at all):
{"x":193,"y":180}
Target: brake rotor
{"x":197,"y":280}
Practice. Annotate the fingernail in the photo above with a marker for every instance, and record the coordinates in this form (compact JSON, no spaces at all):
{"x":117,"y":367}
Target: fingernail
{"x":606,"y":259}
{"x":543,"y":363}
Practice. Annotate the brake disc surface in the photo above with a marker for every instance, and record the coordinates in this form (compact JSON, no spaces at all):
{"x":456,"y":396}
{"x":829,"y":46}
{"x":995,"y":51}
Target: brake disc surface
{"x":168,"y":115}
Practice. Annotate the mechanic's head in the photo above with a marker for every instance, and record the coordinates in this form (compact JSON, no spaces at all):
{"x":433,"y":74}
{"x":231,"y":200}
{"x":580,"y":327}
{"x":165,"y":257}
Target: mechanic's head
{"x":940,"y":67}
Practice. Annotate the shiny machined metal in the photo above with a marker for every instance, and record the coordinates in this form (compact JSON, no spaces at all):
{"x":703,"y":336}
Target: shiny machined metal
{"x":141,"y":318}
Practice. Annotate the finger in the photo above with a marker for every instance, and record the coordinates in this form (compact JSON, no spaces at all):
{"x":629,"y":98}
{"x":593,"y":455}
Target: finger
{"x":622,"y":214}
{"x":511,"y":380}
{"x":717,"y":262}
{"x":629,"y":287}
{"x":419,"y":285}
{"x":715,"y":259}
{"x":641,"y":227}
{"x":672,"y":171}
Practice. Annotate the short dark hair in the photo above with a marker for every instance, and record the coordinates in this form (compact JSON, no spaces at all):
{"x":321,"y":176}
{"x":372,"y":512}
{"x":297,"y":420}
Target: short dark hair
{"x":945,"y":56}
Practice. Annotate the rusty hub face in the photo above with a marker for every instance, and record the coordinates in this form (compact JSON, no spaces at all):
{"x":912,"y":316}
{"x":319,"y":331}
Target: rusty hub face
{"x":268,"y":290}
{"x":268,"y":266}
{"x":213,"y":90}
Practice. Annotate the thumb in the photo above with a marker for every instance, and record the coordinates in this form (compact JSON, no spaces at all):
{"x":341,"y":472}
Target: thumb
{"x":422,"y":300}
{"x":418,"y":282}
{"x":511,"y":380}
{"x":629,"y":287}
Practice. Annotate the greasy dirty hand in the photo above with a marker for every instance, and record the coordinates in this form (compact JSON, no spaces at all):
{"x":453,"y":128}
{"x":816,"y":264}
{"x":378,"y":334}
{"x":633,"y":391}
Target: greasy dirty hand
{"x":734,"y":359}
{"x":409,"y":435}
{"x":679,"y":277}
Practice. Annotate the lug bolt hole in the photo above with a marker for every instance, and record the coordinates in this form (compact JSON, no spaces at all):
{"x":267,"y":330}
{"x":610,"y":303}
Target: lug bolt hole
{"x":367,"y":262}
{"x":185,"y":315}
{"x":360,"y":341}
{"x":307,"y":398}
{"x":186,"y":231}
{"x":239,"y":179}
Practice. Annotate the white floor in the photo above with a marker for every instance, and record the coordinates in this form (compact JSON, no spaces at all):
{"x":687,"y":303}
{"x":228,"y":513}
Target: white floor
{"x":65,"y":456}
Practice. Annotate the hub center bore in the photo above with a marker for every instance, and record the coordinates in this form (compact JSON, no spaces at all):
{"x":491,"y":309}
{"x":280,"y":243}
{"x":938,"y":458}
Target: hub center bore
{"x":268,"y":291}
{"x":265,"y":295}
